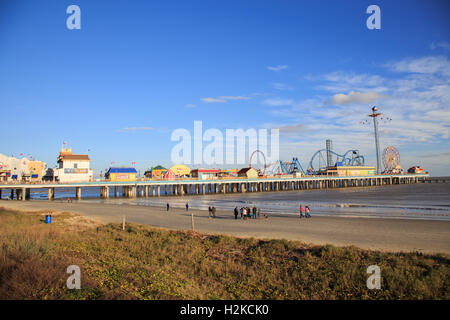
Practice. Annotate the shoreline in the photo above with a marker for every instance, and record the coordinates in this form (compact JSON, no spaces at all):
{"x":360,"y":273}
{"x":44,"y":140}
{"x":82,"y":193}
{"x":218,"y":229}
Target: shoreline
{"x":383,"y":234}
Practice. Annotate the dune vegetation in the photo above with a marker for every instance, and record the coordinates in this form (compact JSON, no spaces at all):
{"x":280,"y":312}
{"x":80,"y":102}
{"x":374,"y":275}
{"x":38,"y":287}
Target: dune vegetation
{"x":142,"y":262}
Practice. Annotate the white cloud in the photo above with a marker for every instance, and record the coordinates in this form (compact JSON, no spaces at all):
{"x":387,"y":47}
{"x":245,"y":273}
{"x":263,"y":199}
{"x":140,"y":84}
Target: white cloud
{"x":356,"y":97}
{"x":425,"y":65}
{"x":281,"y":86}
{"x":277,"y":102}
{"x":444,"y":45}
{"x":212,"y":100}
{"x":223,"y":99}
{"x":277,"y":68}
{"x":293,"y":129}
{"x":340,"y":81}
{"x":234,"y":98}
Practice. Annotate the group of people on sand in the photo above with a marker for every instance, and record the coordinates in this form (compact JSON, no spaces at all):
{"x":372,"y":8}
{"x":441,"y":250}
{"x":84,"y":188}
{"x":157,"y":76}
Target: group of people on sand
{"x":306,"y":210}
{"x":212,"y":212}
{"x":248,"y":213}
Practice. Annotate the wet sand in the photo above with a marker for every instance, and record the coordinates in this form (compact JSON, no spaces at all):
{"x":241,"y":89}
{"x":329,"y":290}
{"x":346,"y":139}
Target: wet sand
{"x":391,"y":235}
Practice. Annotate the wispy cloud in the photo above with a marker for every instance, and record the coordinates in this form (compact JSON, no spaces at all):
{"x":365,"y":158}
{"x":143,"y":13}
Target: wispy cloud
{"x":136,"y":129}
{"x":444,"y":45}
{"x":190,"y":105}
{"x":425,"y":65}
{"x":293,"y":129}
{"x":277,"y":68}
{"x":356,"y":97}
{"x":281,"y":86}
{"x":277,"y":102}
{"x":223,"y":99}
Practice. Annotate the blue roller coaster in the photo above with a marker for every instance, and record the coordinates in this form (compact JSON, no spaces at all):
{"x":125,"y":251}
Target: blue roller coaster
{"x":317,"y":163}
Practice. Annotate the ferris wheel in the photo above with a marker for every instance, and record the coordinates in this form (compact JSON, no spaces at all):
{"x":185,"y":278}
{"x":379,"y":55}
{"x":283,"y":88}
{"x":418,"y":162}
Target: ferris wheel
{"x":391,"y":158}
{"x":263,"y":169}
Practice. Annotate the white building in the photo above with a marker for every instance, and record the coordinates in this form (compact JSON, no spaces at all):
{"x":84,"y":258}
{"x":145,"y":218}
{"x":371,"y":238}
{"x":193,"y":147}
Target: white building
{"x":14,"y":169}
{"x":73,"y":167}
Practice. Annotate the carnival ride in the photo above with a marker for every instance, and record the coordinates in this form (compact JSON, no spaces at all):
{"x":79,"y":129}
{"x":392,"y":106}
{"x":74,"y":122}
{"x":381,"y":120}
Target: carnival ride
{"x":262,"y":170}
{"x":319,"y":161}
{"x":391,"y":160}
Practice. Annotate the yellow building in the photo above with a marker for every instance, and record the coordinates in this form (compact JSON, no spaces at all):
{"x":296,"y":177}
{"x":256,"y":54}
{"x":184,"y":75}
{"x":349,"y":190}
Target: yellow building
{"x":249,"y":173}
{"x":156,"y":173}
{"x":351,"y":171}
{"x":180,"y":170}
{"x":36,"y":170}
{"x":121,"y":174}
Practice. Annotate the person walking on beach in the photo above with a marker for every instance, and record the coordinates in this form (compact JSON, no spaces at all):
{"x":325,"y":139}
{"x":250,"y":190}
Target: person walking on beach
{"x":209,"y":211}
{"x":259,"y":212}
{"x":241,"y":211}
{"x":187,"y":206}
{"x":235,"y":213}
{"x":307,"y":212}
{"x":254,"y":212}
{"x":168,"y":206}
{"x":301,"y":211}
{"x":213,"y":210}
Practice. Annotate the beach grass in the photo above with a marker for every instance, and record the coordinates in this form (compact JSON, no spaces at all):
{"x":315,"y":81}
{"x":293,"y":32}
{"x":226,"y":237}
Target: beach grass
{"x":142,"y":262}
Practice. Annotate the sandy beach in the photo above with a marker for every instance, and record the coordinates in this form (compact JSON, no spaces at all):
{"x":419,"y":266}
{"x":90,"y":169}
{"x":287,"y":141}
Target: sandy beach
{"x":391,"y":235}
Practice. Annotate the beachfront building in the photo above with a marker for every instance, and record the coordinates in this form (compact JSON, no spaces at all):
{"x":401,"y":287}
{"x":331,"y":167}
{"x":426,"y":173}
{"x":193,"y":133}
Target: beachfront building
{"x":226,"y":173}
{"x":121,"y":174}
{"x":249,"y":173}
{"x":14,"y":169}
{"x":350,"y":170}
{"x":180,"y":170}
{"x":203,"y":174}
{"x":155,"y":173}
{"x":37,"y":170}
{"x":73,"y":167}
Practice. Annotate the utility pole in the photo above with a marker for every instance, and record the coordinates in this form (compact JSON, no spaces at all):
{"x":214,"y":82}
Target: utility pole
{"x":375,"y":115}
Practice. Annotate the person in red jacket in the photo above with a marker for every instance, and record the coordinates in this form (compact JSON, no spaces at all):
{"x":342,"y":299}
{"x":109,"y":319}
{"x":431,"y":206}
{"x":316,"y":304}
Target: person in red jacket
{"x":301,"y":211}
{"x":307,"y":215}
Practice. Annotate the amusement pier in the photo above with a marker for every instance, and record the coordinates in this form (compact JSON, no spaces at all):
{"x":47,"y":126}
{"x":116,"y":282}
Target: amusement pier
{"x":326,"y":169}
{"x":133,"y":189}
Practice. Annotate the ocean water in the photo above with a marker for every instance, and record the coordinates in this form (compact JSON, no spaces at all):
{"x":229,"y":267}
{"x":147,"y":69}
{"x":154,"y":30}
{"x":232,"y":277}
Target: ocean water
{"x":414,"y":201}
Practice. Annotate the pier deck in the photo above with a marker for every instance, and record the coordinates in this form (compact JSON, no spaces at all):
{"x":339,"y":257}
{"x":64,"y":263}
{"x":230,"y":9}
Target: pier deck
{"x":151,"y":188}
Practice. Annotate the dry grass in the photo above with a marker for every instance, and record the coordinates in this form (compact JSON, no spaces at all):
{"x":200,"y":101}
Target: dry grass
{"x":147,"y":263}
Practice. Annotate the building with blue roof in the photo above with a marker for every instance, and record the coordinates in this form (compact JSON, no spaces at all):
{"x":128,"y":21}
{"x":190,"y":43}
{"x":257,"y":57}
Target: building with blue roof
{"x":121,"y":174}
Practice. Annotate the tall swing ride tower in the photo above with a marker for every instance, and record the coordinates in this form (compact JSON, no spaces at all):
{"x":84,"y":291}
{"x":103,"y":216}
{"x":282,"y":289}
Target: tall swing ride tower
{"x":375,"y":115}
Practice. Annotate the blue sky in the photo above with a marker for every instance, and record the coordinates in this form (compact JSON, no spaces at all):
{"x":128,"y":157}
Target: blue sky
{"x":137,"y":70}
